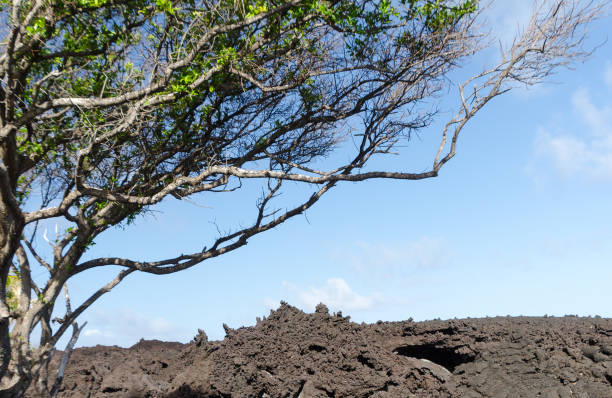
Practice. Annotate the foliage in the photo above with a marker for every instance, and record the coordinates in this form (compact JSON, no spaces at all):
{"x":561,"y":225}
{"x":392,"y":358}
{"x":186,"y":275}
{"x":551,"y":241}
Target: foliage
{"x":13,"y":286}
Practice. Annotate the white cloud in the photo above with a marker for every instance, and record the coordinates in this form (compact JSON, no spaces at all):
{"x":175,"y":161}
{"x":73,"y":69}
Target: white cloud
{"x":586,"y":155}
{"x":126,"y":327}
{"x":389,"y":260}
{"x":336,"y":294}
{"x":608,"y":74}
{"x":93,"y":332}
{"x":508,"y":18}
{"x":271,"y":304}
{"x":598,"y":119}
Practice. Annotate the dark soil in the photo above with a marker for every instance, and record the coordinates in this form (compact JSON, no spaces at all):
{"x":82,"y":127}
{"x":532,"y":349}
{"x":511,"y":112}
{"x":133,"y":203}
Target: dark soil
{"x":297,"y":355}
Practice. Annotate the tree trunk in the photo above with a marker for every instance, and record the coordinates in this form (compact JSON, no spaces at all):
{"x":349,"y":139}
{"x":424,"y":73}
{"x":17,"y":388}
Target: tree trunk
{"x":12,"y":224}
{"x":11,"y":228}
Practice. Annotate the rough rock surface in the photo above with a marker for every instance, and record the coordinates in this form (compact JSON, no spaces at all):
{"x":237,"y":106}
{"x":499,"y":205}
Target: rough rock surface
{"x":320,"y":355}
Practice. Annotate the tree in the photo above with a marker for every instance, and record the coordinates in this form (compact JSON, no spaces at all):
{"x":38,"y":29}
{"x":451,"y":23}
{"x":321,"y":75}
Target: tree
{"x":108,"y":107}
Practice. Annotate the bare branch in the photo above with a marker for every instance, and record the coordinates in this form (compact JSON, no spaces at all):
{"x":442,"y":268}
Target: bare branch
{"x":76,"y":331}
{"x":40,"y":260}
{"x":70,"y":318}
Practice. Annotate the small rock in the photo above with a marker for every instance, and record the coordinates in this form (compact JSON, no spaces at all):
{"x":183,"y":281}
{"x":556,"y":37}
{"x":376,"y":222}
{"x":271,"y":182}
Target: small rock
{"x":606,"y":349}
{"x":568,"y":375}
{"x":541,"y":355}
{"x":239,"y":361}
{"x":590,"y":351}
{"x":321,"y":309}
{"x":596,"y":372}
{"x":572,"y":352}
{"x":564,"y":392}
{"x":599,"y":357}
{"x":200,"y":338}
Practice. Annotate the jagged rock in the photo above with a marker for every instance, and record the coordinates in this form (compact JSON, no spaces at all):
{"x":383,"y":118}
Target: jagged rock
{"x":294,"y":354}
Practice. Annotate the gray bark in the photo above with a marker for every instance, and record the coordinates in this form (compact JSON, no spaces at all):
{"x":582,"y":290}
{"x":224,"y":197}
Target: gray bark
{"x":10,"y":231}
{"x":11,"y":228}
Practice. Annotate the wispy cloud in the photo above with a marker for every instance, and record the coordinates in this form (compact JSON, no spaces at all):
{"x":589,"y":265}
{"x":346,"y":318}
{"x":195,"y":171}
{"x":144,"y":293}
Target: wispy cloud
{"x":271,"y":304}
{"x":598,"y":119}
{"x":126,"y":327}
{"x":396,"y":259}
{"x":336,"y":294}
{"x":96,"y":332}
{"x":508,"y":18}
{"x":587,"y":153}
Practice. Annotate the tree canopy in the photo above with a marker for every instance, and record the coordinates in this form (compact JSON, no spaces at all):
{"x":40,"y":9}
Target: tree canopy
{"x":108,"y":107}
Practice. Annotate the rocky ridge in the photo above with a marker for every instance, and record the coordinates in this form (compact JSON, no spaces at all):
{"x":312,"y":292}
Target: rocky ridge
{"x":298,"y":355}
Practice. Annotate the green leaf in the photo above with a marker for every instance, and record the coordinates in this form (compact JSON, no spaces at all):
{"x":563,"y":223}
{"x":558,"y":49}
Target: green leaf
{"x":39,"y":25}
{"x":165,"y":6}
{"x":13,"y":288}
{"x":92,"y":3}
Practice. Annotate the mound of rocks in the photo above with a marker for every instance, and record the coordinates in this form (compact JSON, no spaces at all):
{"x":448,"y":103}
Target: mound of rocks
{"x":319,"y":355}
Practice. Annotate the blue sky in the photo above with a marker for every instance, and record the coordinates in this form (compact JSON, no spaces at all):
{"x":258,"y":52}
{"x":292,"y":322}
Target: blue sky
{"x":518,"y":223}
